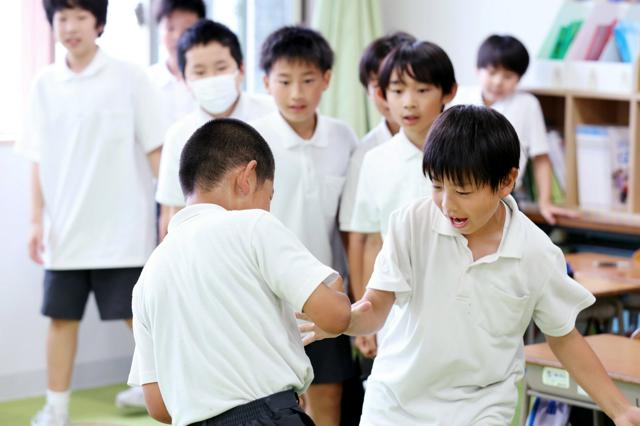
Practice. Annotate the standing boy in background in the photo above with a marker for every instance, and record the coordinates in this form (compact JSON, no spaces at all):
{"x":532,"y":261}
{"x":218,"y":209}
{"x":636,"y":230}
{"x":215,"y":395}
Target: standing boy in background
{"x":92,"y":133}
{"x":467,"y":272}
{"x":417,"y":80}
{"x":311,"y":153}
{"x":210,"y":59}
{"x":369,"y":69}
{"x":173,"y":18}
{"x":216,"y":337}
{"x":501,"y":63}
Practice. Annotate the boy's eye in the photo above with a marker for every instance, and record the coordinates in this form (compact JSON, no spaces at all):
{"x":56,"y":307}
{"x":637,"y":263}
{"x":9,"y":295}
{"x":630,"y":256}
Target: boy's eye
{"x":284,"y":83}
{"x":221,"y":69}
{"x":309,"y":80}
{"x":463,"y":192}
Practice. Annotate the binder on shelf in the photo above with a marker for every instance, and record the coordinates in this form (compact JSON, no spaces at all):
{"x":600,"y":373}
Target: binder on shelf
{"x":600,"y":37}
{"x":565,"y":37}
{"x":627,"y":38}
{"x":603,"y":166}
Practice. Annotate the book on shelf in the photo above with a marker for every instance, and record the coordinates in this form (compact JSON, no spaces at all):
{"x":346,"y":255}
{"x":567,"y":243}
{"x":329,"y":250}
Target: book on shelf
{"x":599,"y":39}
{"x":602,"y":154}
{"x":627,"y":38}
{"x":565,"y":36}
{"x":557,"y":157}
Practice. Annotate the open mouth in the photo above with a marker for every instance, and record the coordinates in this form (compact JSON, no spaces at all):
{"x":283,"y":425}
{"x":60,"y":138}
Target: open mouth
{"x":459,"y":222}
{"x":297,"y":108}
{"x":410,"y":119}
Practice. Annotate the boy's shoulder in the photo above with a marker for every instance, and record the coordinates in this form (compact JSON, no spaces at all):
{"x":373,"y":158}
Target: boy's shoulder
{"x":385,"y":151}
{"x":338,"y":130}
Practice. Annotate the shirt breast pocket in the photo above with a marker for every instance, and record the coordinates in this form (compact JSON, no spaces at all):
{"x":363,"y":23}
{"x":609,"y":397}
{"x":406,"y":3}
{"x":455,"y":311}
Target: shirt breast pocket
{"x":331,"y":190}
{"x":499,"y":312}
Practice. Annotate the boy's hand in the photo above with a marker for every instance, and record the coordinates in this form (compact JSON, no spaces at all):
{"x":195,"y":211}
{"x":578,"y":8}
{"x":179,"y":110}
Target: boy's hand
{"x":631,"y":417}
{"x":35,"y":243}
{"x":367,"y":345}
{"x":549,"y":212}
{"x":312,"y":333}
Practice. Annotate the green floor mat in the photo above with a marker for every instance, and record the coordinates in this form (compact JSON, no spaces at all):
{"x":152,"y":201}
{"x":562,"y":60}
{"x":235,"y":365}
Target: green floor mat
{"x":94,"y":407}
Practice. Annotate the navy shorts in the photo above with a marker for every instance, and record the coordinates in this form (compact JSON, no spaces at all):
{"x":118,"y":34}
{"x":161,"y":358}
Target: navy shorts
{"x":66,"y":292}
{"x":332,"y":360}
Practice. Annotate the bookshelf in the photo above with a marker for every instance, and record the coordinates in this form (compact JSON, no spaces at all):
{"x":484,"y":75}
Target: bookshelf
{"x":574,"y":92}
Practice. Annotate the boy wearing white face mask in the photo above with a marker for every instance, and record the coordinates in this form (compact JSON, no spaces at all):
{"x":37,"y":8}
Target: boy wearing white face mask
{"x":210,"y":59}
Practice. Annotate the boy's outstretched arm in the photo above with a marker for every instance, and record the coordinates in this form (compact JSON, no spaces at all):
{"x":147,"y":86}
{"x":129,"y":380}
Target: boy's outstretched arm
{"x":367,"y":317}
{"x":582,"y":363}
{"x":329,"y":307}
{"x":542,"y":171}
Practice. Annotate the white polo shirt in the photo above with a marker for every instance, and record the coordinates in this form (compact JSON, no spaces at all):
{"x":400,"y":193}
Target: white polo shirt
{"x":212,"y":311}
{"x":90,"y":134}
{"x":390,"y":177}
{"x":169,"y":191}
{"x":523,"y":111}
{"x":454,"y":353}
{"x":309,"y":178}
{"x":375,"y":137}
{"x":178,"y":100}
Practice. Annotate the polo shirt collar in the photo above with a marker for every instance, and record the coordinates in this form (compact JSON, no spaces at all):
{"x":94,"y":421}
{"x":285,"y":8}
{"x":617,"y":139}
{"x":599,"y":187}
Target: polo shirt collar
{"x":163,"y":76}
{"x":406,"y":150}
{"x":292,"y":140}
{"x":64,"y":73}
{"x":512,"y":243}
{"x":192,"y":211}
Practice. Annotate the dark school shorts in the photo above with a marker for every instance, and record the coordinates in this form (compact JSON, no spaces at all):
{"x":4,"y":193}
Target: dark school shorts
{"x":332,"y":360}
{"x":66,"y":292}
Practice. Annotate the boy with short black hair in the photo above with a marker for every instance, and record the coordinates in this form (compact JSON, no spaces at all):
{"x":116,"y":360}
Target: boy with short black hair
{"x":216,"y":337}
{"x":369,"y":68}
{"x":210,"y":59}
{"x":92,"y":223}
{"x":417,"y":80}
{"x":467,"y":272}
{"x":312,"y":154}
{"x":173,"y":17}
{"x":502,"y":61}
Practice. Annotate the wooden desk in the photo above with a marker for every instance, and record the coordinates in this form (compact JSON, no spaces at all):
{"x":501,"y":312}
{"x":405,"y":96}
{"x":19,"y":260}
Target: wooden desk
{"x":545,"y":377}
{"x":605,"y":281}
{"x":616,"y":222}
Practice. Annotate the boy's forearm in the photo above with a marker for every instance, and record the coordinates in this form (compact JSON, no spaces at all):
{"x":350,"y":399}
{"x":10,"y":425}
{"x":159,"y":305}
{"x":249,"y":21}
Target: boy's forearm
{"x":355,"y":257}
{"x":372,"y":320}
{"x":542,"y":173}
{"x":372,"y":246}
{"x":582,"y":363}
{"x":154,"y":161}
{"x":37,"y":200}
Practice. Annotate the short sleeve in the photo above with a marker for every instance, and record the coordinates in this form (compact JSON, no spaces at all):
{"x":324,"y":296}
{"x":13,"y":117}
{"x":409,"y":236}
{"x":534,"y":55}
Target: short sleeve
{"x":143,"y":368}
{"x":560,"y":300}
{"x":287,"y":267}
{"x":535,"y":136}
{"x":149,"y":111}
{"x":366,"y":214}
{"x":169,"y":191}
{"x":29,"y":142}
{"x":392,"y":268}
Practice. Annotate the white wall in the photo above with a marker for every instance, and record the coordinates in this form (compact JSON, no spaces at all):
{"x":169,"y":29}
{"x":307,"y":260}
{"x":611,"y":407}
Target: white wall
{"x":104,"y":349}
{"x":459,"y":26}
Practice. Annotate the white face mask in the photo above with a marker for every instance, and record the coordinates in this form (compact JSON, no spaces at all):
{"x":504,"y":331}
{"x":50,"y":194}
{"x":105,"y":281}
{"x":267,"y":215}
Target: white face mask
{"x":215,"y":94}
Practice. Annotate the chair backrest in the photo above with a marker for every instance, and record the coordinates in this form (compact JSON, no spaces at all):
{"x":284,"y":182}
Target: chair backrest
{"x":636,"y":334}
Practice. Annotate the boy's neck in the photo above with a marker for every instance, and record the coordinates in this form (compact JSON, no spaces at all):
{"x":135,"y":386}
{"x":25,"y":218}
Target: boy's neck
{"x":392,"y":127}
{"x":417,"y":138}
{"x":77,"y":64}
{"x":172,"y":66}
{"x":485,"y":102}
{"x":305,"y":129}
{"x":486,"y":241}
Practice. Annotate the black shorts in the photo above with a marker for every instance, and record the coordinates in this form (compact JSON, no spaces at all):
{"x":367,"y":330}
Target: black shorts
{"x":332,"y":360}
{"x":66,"y":292}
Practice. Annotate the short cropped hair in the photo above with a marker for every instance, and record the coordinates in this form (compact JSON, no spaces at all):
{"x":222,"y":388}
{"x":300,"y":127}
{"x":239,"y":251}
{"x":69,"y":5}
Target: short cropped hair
{"x":204,"y":32}
{"x":503,"y":51}
{"x":296,"y":43}
{"x":98,"y":8}
{"x":374,"y":53}
{"x":165,"y":8}
{"x":471,"y":145}
{"x":423,"y":61}
{"x":219,"y":146}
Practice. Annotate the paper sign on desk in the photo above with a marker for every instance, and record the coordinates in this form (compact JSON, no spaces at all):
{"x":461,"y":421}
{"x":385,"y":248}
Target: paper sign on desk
{"x":581,"y":391}
{"x":556,"y":377}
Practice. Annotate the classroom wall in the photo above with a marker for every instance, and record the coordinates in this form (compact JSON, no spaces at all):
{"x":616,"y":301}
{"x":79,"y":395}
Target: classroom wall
{"x":459,"y":26}
{"x":104,"y":352}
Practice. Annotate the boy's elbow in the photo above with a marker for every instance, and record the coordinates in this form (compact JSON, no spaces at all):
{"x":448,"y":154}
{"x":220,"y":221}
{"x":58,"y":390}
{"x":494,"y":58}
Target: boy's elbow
{"x":160,"y":416}
{"x":340,"y":317}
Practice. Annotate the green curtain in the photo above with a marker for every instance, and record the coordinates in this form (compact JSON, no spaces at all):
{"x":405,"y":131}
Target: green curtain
{"x":349,"y":26}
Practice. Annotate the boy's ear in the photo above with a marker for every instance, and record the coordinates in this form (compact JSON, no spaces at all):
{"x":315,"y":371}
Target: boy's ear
{"x":326,"y":78}
{"x":509,"y":183}
{"x":379,"y":93}
{"x":449,"y":96}
{"x":247,"y":179}
{"x":265,"y":81}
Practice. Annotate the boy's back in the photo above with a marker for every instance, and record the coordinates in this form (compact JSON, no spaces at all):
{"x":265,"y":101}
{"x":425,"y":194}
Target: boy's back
{"x":217,"y":295}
